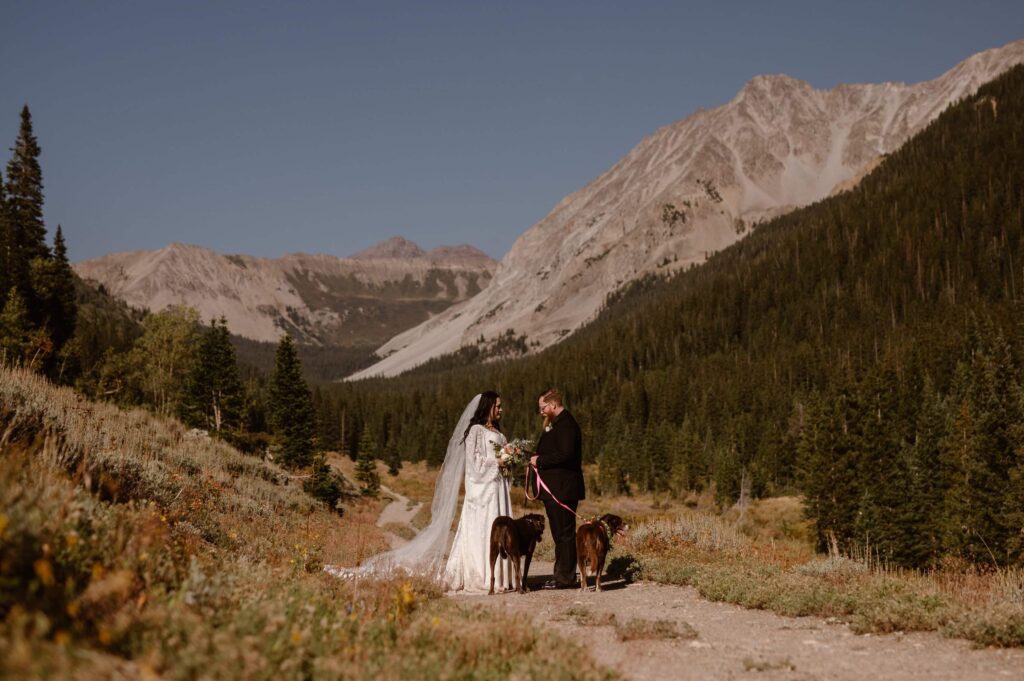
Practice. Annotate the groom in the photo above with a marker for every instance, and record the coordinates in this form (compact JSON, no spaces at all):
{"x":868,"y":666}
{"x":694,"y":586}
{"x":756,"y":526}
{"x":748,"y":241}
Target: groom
{"x":559,"y":460}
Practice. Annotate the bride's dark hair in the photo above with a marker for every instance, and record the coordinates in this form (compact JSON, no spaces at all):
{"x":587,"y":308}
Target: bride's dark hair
{"x":483,"y":411}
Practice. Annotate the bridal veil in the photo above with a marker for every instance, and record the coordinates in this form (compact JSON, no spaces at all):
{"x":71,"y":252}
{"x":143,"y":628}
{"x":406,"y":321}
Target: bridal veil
{"x":424,"y":554}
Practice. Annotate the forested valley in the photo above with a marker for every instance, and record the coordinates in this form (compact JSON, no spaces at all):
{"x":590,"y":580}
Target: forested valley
{"x":864,"y":352}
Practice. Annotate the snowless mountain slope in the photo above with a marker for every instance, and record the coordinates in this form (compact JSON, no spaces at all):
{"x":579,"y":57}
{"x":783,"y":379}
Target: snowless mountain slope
{"x":691,"y":188}
{"x":319,"y":299}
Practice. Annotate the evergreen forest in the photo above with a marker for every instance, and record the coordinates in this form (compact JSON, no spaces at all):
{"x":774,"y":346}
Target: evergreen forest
{"x":864,"y":352}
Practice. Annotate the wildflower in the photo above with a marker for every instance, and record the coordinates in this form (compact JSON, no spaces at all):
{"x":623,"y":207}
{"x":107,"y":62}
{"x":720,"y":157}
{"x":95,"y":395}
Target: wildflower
{"x":296,"y":637}
{"x":44,"y":571}
{"x":104,"y":635}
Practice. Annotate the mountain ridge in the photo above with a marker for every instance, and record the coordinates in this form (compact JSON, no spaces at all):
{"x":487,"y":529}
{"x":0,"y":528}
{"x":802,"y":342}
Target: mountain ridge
{"x":321,"y":299}
{"x":686,"y":191}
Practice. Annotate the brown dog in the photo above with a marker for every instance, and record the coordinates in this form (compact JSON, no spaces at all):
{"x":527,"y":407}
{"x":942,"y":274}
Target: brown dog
{"x":514,"y":539}
{"x":593,"y":540}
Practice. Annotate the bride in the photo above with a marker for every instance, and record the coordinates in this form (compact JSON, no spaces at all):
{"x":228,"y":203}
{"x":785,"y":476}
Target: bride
{"x":471,"y":456}
{"x":487,"y":497}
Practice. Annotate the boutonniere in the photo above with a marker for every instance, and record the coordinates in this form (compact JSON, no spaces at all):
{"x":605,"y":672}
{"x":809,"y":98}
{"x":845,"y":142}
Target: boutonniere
{"x":547,"y":429}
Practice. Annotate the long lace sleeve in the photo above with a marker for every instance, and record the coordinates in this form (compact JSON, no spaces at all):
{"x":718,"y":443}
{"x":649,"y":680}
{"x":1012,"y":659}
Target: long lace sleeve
{"x":481,"y":464}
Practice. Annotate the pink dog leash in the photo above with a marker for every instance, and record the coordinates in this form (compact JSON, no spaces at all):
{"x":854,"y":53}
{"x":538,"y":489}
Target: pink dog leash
{"x":541,"y":485}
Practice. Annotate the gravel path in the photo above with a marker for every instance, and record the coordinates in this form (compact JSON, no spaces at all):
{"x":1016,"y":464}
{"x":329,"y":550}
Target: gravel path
{"x":722,"y":641}
{"x":736,"y":643}
{"x":400,"y":511}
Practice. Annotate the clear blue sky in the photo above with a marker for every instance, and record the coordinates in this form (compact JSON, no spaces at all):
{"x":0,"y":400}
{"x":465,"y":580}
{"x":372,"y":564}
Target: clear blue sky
{"x":272,"y":127}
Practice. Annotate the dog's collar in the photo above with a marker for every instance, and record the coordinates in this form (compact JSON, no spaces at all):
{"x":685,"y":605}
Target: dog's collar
{"x":607,"y":530}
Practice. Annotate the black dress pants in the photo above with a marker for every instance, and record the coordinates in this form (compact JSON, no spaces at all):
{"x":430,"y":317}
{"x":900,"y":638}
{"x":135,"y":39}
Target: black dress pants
{"x":563,"y":532}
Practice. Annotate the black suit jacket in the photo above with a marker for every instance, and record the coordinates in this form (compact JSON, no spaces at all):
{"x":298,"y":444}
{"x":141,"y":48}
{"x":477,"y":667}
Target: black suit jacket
{"x":560,"y":458}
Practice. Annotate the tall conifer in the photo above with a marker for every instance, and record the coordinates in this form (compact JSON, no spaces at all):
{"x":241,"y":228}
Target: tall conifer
{"x":6,"y":243}
{"x":366,"y":470}
{"x":15,"y":331}
{"x":53,"y":288}
{"x":214,"y":397}
{"x":25,"y":193}
{"x":290,"y":407}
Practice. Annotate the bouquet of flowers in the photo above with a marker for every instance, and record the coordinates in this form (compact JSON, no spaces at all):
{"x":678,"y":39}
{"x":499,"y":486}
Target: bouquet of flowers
{"x":512,"y":456}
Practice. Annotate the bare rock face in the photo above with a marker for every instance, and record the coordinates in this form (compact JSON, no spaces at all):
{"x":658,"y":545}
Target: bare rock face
{"x":395,"y":247}
{"x":690,"y":189}
{"x":319,"y":299}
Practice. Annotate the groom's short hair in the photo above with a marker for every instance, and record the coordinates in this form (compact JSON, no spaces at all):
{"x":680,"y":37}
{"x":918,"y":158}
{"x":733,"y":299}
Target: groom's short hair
{"x":552,"y":395}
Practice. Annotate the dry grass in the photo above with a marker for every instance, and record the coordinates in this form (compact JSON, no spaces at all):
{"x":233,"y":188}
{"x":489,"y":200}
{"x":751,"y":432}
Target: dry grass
{"x":768,"y":665}
{"x":585,"y":617}
{"x":636,"y":629}
{"x":415,"y":480}
{"x":632,"y":629}
{"x":130,"y":549}
{"x":400,"y":529}
{"x":715,"y":555}
{"x":762,"y":558}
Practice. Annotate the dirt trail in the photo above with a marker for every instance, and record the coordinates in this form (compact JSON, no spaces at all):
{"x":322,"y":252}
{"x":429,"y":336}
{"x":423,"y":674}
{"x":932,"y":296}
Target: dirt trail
{"x":733,"y":642}
{"x":400,"y":511}
{"x":737,"y":643}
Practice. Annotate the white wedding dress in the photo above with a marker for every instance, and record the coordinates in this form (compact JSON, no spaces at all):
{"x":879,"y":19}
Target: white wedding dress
{"x":470,"y":458}
{"x":487,"y":497}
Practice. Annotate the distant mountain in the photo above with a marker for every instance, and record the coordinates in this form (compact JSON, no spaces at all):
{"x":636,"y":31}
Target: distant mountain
{"x":865,"y":352}
{"x":320,"y":299}
{"x":690,"y":189}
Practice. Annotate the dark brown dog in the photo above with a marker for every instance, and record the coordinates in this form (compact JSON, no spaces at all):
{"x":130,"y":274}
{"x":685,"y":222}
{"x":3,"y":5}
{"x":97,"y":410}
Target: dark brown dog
{"x":514,"y":539}
{"x":593,"y":540}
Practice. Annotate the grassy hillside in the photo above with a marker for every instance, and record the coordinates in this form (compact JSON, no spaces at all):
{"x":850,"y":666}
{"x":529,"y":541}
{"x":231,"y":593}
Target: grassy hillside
{"x":130,"y":548}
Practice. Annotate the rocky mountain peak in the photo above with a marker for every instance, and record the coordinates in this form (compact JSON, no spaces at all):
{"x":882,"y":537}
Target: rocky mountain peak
{"x":318,"y":298}
{"x":395,"y":247}
{"x":463,"y":254}
{"x":689,"y":189}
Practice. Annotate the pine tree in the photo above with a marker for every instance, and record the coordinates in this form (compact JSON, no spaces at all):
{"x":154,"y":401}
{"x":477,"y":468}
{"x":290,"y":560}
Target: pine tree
{"x":979,"y":453}
{"x":392,"y":458}
{"x":6,"y":244}
{"x":328,"y":425}
{"x":52,"y":283}
{"x":65,"y":310}
{"x":883,"y":469}
{"x":25,"y":194}
{"x":254,"y":418}
{"x":324,"y":484}
{"x":214,"y":397}
{"x":613,"y":474}
{"x":366,"y":469}
{"x":290,"y":407}
{"x":686,"y":469}
{"x":15,"y":330}
{"x":1013,"y":504}
{"x":828,"y":465}
{"x":926,"y":492}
